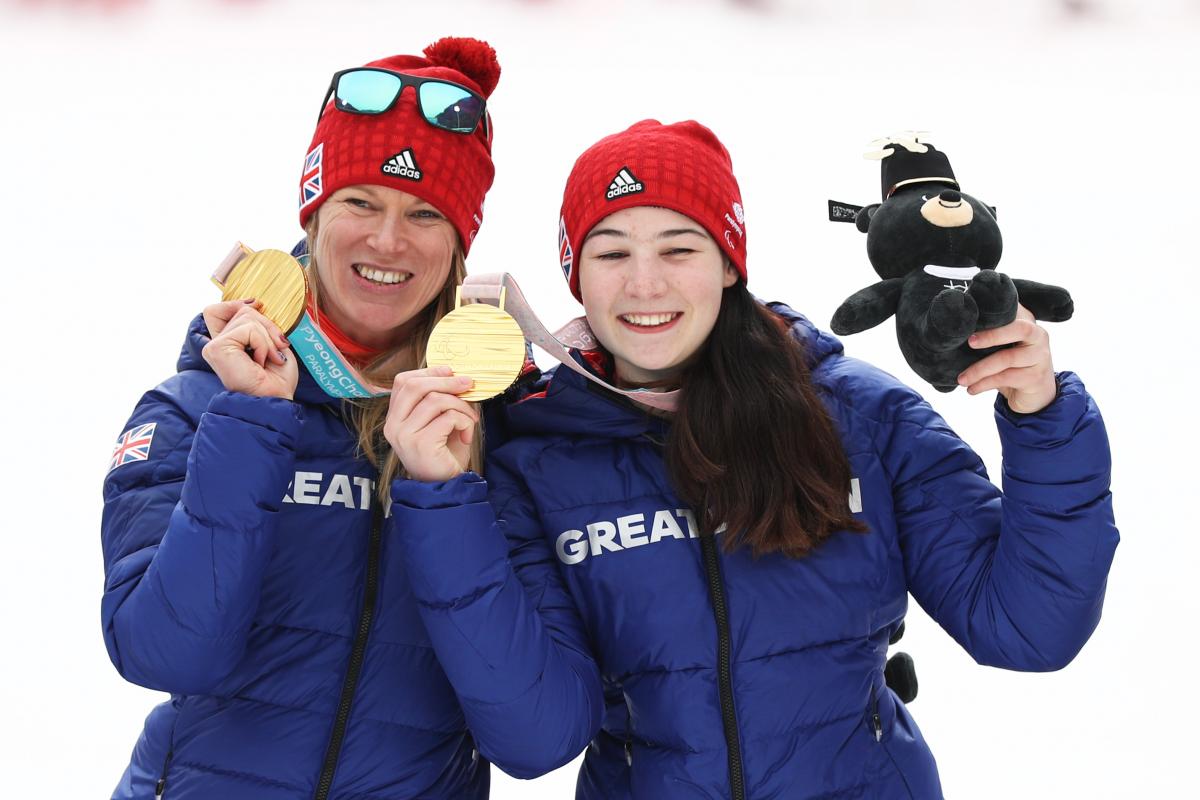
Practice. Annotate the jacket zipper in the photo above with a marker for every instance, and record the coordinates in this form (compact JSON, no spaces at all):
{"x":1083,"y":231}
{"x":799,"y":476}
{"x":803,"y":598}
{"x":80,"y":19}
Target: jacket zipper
{"x":628,"y":736}
{"x":716,"y":591}
{"x":357,"y":653}
{"x":876,"y":722}
{"x":161,"y":786}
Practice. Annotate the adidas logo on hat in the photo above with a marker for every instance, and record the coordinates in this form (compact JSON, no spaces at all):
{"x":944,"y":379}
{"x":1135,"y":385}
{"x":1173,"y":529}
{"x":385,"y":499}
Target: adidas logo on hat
{"x":624,"y":184}
{"x":402,"y":165}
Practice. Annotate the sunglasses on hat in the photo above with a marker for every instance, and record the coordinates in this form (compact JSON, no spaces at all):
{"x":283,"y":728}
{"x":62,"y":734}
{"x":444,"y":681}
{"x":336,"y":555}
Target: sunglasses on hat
{"x":374,"y":90}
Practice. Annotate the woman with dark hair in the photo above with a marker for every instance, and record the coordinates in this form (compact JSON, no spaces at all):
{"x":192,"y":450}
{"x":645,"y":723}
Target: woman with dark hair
{"x":707,"y":596}
{"x":248,"y":572}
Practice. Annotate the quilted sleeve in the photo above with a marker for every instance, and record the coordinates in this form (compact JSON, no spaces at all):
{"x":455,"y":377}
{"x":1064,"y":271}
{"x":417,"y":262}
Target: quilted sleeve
{"x":187,"y":534}
{"x":504,"y":627}
{"x":1016,"y":577}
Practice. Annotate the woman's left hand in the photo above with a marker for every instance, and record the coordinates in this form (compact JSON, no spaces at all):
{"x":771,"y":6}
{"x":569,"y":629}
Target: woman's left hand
{"x":1024,"y":373}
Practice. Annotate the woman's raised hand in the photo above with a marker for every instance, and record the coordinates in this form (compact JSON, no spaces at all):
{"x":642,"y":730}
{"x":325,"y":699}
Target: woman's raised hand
{"x":248,"y":352}
{"x":1024,"y":373}
{"x":428,"y":426}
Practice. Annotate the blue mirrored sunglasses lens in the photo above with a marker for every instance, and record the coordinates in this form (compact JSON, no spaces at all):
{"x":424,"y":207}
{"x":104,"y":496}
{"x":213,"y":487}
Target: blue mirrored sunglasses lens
{"x":451,"y":107}
{"x":367,"y":91}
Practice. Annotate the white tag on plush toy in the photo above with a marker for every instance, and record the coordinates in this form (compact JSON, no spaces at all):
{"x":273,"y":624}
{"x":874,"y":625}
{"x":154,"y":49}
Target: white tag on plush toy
{"x":954,"y":273}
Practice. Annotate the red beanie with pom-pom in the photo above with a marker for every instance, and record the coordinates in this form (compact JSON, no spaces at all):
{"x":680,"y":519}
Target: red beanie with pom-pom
{"x":452,"y":171}
{"x":683,"y":167}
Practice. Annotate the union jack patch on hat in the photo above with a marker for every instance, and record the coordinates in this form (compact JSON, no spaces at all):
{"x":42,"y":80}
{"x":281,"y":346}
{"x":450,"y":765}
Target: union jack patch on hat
{"x":133,"y":445}
{"x":565,"y":255}
{"x":310,"y":181}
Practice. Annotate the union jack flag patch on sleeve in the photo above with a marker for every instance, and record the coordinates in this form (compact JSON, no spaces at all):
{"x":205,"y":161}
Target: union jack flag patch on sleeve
{"x":133,"y":445}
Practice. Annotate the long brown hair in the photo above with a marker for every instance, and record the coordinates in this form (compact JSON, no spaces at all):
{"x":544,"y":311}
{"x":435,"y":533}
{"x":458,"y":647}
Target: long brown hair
{"x":368,"y":416}
{"x":769,"y":466}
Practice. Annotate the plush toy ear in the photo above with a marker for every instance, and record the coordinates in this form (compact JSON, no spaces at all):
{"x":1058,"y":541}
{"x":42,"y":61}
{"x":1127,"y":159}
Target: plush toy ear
{"x":842,"y":212}
{"x":862,"y":220}
{"x":992,"y":209}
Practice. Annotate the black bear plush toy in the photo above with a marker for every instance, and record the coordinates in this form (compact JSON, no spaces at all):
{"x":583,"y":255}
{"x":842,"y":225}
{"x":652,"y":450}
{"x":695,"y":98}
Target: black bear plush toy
{"x":936,"y":250}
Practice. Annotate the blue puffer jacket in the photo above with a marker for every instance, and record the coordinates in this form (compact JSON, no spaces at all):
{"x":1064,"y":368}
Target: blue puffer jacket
{"x":248,"y":572}
{"x":589,"y":613}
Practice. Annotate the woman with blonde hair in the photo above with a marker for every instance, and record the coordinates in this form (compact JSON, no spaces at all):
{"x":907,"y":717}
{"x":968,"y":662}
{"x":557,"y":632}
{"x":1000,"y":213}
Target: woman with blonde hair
{"x":248,"y":568}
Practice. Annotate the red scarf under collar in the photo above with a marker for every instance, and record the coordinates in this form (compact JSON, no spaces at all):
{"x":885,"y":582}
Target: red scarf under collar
{"x":359,"y":354}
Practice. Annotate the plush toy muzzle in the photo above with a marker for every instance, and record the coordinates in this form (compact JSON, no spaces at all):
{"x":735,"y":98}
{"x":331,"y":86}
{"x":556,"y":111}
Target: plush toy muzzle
{"x":948,"y":210}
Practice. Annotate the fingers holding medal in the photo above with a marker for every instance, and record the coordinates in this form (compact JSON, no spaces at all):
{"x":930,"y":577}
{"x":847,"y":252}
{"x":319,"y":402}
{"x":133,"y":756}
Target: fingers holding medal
{"x":262,"y":298}
{"x":429,"y":425}
{"x":475,"y":352}
{"x":247,"y":357}
{"x":480,"y":341}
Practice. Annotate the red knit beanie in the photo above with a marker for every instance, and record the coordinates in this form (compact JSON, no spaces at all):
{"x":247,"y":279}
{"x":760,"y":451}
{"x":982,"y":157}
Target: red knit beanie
{"x":452,"y":171}
{"x":683,"y":167}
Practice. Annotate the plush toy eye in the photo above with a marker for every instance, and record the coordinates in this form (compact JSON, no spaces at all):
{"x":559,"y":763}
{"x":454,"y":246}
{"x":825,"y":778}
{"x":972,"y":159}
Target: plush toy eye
{"x":925,"y":197}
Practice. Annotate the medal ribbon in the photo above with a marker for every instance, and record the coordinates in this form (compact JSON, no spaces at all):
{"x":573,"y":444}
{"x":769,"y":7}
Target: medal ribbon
{"x":332,"y":371}
{"x":575,"y":334}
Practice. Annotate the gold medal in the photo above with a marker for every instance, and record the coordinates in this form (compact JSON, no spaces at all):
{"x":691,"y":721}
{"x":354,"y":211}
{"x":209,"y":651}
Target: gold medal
{"x":479,"y":341}
{"x":272,"y":277}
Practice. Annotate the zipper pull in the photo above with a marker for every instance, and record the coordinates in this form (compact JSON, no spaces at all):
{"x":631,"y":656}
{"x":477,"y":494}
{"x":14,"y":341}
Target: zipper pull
{"x":159,"y":788}
{"x":628,"y":753}
{"x":876,"y":721}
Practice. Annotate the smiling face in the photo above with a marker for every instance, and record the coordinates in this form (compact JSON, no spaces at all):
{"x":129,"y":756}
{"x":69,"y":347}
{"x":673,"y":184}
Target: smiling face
{"x":382,"y":256}
{"x":652,"y":281}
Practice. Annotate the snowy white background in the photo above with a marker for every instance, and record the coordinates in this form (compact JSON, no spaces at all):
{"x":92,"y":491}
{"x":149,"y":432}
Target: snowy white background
{"x":141,"y":139}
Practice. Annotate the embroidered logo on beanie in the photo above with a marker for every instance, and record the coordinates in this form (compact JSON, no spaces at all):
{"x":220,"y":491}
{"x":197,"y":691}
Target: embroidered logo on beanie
{"x":310,"y":181}
{"x":566,"y":257}
{"x":402,"y":165}
{"x":735,"y":225}
{"x":624,"y":183}
{"x":477,"y":218}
